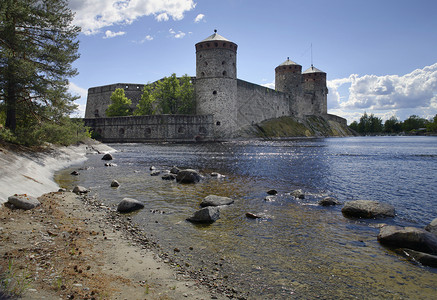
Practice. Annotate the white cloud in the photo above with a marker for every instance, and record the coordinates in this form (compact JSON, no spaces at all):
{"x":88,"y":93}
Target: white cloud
{"x":110,"y":34}
{"x":199,"y":18}
{"x":93,"y":15}
{"x":385,"y":96}
{"x":82,"y":93}
{"x":270,"y":85}
{"x":177,"y":35}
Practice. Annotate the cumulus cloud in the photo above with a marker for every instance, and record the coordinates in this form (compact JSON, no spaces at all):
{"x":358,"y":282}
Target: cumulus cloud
{"x":110,"y":34}
{"x":388,"y":95}
{"x":270,"y":85}
{"x":82,"y":93}
{"x":93,"y":15}
{"x":199,"y":18}
{"x":177,"y":35}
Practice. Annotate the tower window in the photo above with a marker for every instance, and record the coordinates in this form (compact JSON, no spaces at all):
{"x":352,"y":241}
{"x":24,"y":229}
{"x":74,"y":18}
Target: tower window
{"x":216,"y":44}
{"x":217,"y":123}
{"x":181,"y":130}
{"x":206,"y":63}
{"x":202,"y":74}
{"x":148,"y":130}
{"x":223,"y":62}
{"x":214,"y":92}
{"x":224,"y":73}
{"x":224,"y":44}
{"x":121,"y":131}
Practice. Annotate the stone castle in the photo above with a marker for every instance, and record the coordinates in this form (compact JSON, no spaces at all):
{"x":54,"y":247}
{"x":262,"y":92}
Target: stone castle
{"x":225,"y":105}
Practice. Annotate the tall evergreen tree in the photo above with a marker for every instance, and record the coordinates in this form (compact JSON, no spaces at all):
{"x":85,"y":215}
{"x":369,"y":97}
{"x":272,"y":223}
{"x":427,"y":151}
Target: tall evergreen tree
{"x":37,"y":48}
{"x":120,"y":104}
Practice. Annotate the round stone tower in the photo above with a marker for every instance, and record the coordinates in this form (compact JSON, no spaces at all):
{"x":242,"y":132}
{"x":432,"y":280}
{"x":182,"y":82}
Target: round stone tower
{"x":216,"y":83}
{"x":314,"y":82}
{"x":288,"y":77}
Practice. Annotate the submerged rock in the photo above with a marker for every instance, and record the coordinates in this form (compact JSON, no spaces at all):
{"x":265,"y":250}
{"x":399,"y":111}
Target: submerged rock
{"x":408,"y":237}
{"x":168,"y":177}
{"x":270,"y":199}
{"x":423,"y":258}
{"x":115,"y":183}
{"x":23,"y":201}
{"x":328,"y":201}
{"x":432,"y":227}
{"x":252,"y":216}
{"x":75,"y":173}
{"x":213,"y":200}
{"x":80,"y":190}
{"x":129,"y":205}
{"x":188,"y":176}
{"x":110,"y":165}
{"x":217,"y":175}
{"x":208,"y":214}
{"x":174,"y":170}
{"x":155,"y":173}
{"x":368,"y":209}
{"x":107,"y":156}
{"x":298,"y":194}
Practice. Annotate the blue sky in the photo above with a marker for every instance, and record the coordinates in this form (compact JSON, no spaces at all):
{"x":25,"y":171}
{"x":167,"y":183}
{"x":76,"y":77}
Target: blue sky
{"x":380,"y":56}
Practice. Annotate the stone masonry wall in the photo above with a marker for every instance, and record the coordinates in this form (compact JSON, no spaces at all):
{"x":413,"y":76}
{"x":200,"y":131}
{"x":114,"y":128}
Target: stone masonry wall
{"x":137,"y":129}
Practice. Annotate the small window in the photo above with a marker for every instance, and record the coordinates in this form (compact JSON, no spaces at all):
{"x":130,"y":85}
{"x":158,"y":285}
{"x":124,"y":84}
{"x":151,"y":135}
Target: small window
{"x":202,"y":74}
{"x":121,"y":131}
{"x":217,"y":123}
{"x":200,"y":56}
{"x":181,"y":129}
{"x":148,"y":130}
{"x":206,"y":63}
{"x":214,"y":92}
{"x":224,"y":73}
{"x":224,"y":44}
{"x":216,"y":44}
{"x":223,"y":63}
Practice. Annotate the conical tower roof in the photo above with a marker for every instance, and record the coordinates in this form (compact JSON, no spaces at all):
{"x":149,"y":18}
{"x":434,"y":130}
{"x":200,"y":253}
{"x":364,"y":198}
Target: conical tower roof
{"x":312,"y":69}
{"x":215,"y":37}
{"x":289,"y":62}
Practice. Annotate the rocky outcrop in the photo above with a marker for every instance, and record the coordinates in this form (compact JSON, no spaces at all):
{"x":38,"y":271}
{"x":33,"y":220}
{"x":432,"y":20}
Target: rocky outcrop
{"x":408,"y":237}
{"x":368,"y":209}
{"x":208,"y":214}
{"x":432,"y":227}
{"x":128,"y":205}
{"x":213,"y":200}
{"x":328,"y":201}
{"x":188,"y":176}
{"x":23,"y":201}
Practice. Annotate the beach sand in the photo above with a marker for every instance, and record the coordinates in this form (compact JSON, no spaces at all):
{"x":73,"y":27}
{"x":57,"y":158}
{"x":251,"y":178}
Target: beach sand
{"x":72,"y":247}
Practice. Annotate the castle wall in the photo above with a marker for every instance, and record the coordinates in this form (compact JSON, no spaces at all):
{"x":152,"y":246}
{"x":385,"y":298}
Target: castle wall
{"x":99,"y":97}
{"x":256,"y":103}
{"x":137,"y":129}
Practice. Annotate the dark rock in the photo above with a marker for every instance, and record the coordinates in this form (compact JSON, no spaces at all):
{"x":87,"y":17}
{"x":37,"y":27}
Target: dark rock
{"x":423,"y":258}
{"x":252,"y":216}
{"x":188,"y":176}
{"x":62,"y":190}
{"x":80,"y":190}
{"x":129,"y":205}
{"x":367,"y":209}
{"x":208,"y":214}
{"x":408,"y":237}
{"x":272,"y":192}
{"x":298,"y":194}
{"x":115,"y":183}
{"x":328,"y":201}
{"x":174,"y":170}
{"x":110,"y":165}
{"x":213,"y":200}
{"x":168,"y":177}
{"x":155,"y":173}
{"x":107,"y":156}
{"x":23,"y":201}
{"x":75,"y":173}
{"x":432,"y":227}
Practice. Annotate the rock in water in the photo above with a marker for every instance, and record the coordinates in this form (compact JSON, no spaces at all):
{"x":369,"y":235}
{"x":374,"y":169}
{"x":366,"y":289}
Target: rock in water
{"x":272,"y":192}
{"x":80,"y":190}
{"x":213,"y":200}
{"x":408,"y":237}
{"x":107,"y":156}
{"x":155,"y":173}
{"x":174,"y":170}
{"x":23,"y":201}
{"x":129,"y":205}
{"x":168,"y":177}
{"x":328,"y":201}
{"x":252,"y":216}
{"x":115,"y":183}
{"x":299,"y":194}
{"x":75,"y":173}
{"x":188,"y":176}
{"x":432,"y":227}
{"x":368,"y":209}
{"x":208,"y":214}
{"x":424,"y":258}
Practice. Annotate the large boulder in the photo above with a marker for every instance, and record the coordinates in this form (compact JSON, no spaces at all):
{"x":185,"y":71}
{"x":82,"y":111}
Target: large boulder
{"x":432,"y":227}
{"x":80,"y":190}
{"x":208,"y":214}
{"x":408,"y":237}
{"x":107,"y":156}
{"x":23,"y":201}
{"x":328,"y":201}
{"x":368,"y":209}
{"x":423,"y":258}
{"x":188,"y":176}
{"x":115,"y":183}
{"x":174,"y":170}
{"x":128,"y":205}
{"x":213,"y":200}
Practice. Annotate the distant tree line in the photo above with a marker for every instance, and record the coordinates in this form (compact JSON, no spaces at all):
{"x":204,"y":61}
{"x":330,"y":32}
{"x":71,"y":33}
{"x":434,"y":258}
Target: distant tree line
{"x":171,"y":95}
{"x":374,"y":125}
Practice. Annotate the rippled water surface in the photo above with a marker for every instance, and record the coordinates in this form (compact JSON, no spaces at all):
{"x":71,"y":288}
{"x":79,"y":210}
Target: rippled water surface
{"x":298,"y":249}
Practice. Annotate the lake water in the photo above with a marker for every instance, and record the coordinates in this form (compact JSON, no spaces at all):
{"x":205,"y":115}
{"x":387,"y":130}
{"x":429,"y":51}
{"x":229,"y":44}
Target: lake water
{"x":297,"y":249}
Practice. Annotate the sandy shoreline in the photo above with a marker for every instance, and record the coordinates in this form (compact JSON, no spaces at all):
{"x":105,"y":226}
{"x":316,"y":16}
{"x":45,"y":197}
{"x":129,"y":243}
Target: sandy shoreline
{"x":71,"y":247}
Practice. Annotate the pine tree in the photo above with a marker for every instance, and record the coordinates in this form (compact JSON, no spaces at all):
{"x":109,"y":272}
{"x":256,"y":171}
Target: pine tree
{"x":120,"y":104}
{"x":146,"y":104}
{"x":37,"y":48}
